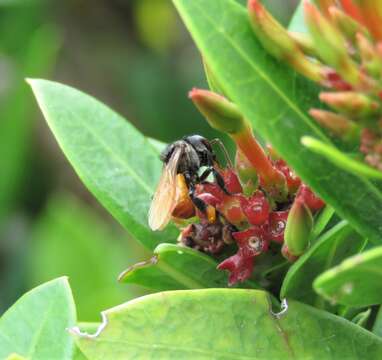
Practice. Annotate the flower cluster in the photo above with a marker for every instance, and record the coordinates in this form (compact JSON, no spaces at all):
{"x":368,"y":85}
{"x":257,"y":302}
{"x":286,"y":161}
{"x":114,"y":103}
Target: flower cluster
{"x":343,"y":53}
{"x":265,"y":201}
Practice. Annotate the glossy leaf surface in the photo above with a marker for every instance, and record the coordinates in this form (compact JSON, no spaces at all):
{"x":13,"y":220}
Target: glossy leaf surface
{"x":333,"y":246}
{"x":116,"y":162}
{"x":177,"y":267}
{"x":357,"y":281}
{"x":194,"y":325}
{"x":35,"y":327}
{"x":276,"y":100}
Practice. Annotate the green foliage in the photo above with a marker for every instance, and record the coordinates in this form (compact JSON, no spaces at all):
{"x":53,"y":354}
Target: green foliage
{"x":276,"y":101}
{"x":18,"y":112}
{"x":333,"y":246}
{"x":355,"y":282}
{"x":116,"y":162}
{"x":35,"y":327}
{"x":121,"y":167}
{"x":70,"y":239}
{"x":175,"y":267}
{"x":225,"y":324}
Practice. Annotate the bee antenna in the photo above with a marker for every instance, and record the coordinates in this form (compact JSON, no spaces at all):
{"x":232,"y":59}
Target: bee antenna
{"x":223,"y":148}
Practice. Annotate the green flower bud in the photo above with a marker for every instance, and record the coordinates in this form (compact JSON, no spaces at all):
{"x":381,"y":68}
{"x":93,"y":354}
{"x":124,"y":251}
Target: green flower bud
{"x":298,"y":228}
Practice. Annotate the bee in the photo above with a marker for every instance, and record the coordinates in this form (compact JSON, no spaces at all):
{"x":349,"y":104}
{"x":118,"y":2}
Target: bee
{"x":182,"y":162}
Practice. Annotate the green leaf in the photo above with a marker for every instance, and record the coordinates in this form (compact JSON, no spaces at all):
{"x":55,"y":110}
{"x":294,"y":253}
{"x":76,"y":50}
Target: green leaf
{"x":177,"y":267}
{"x":17,"y":111}
{"x":35,"y":327}
{"x":362,"y":318}
{"x":68,"y":238}
{"x":357,"y":281}
{"x":340,"y":159}
{"x":333,"y":246}
{"x":116,"y":162}
{"x":224,"y":324}
{"x":276,"y":101}
{"x":321,"y":221}
{"x":377,"y":327}
{"x":89,"y":328}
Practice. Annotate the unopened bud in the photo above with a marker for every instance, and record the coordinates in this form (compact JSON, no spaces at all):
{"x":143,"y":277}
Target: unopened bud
{"x":372,"y":15}
{"x":298,"y":228}
{"x":350,"y":103}
{"x":272,"y":35}
{"x":220,"y":113}
{"x":247,"y":173}
{"x":352,"y":10}
{"x":371,"y":59}
{"x":277,"y":41}
{"x":330,"y":44}
{"x":304,"y":42}
{"x":337,"y":124}
{"x":225,"y":116}
{"x":324,"y":5}
{"x":348,"y":26}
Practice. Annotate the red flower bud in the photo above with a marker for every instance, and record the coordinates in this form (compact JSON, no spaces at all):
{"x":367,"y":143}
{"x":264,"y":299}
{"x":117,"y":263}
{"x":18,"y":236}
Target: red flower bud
{"x":256,"y":208}
{"x":251,"y":242}
{"x":277,"y":224}
{"x":293,"y":181}
{"x":240,"y":268}
{"x":313,"y":202}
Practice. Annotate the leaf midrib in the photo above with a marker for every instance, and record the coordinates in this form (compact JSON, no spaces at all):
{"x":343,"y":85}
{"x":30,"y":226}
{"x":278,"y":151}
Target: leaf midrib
{"x":264,"y":76}
{"x":114,"y":155}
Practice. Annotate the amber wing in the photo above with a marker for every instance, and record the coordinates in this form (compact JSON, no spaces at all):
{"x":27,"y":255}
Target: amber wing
{"x":164,"y":199}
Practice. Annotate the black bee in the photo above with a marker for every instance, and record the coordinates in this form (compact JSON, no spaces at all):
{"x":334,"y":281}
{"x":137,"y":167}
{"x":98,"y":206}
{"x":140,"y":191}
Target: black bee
{"x":185,"y":157}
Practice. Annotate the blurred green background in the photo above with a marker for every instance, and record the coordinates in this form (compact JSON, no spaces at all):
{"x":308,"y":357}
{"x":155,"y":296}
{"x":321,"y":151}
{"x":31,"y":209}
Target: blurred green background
{"x":134,"y":55}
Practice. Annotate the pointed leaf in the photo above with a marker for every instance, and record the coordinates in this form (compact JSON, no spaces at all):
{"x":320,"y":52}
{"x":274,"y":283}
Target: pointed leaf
{"x":276,"y":100}
{"x":116,"y":162}
{"x":35,"y":327}
{"x":224,"y":324}
{"x":357,"y":281}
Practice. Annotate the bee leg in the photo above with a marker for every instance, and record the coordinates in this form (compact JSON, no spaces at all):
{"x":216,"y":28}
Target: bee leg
{"x":200,"y":204}
{"x":205,"y":174}
{"x":220,"y":181}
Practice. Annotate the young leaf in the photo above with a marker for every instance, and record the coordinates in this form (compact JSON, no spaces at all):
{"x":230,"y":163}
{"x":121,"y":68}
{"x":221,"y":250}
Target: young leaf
{"x":193,"y":324}
{"x":321,"y":221}
{"x":357,"y":281}
{"x":35,"y":327}
{"x":176,"y":267}
{"x":333,"y":246}
{"x":116,"y":162}
{"x":340,"y":159}
{"x":276,"y":100}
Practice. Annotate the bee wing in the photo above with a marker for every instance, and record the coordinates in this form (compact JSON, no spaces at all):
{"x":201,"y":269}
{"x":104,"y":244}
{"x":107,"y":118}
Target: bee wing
{"x":164,"y":199}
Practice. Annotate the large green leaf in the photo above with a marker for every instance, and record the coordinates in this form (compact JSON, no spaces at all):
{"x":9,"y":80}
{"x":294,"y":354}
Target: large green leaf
{"x":276,"y":100}
{"x":357,"y":281}
{"x":224,"y":324}
{"x":177,"y":267}
{"x":333,"y":246}
{"x":70,"y":239}
{"x":116,"y":162}
{"x":35,"y":327}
